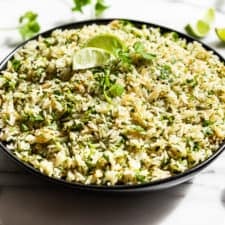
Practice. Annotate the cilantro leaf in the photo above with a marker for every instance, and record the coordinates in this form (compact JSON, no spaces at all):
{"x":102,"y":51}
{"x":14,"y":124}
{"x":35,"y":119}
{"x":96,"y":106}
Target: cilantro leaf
{"x":141,"y":52}
{"x":165,"y":72}
{"x":107,"y":88}
{"x":124,"y":59}
{"x":28,"y":25}
{"x":207,"y":123}
{"x":116,"y":90}
{"x":24,"y":127}
{"x":79,"y":4}
{"x":16,"y":64}
{"x":138,"y":46}
{"x":100,"y":7}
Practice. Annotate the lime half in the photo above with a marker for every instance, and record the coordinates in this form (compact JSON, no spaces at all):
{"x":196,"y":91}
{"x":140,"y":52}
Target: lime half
{"x":108,"y":42}
{"x":86,"y":58}
{"x":220,"y":33}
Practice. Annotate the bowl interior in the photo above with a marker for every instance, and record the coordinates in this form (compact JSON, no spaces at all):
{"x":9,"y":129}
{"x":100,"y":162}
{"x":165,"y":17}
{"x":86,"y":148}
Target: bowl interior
{"x":159,"y":184}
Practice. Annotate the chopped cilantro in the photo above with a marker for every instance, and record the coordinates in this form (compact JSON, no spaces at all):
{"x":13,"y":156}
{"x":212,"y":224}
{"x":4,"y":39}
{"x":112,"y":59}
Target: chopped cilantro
{"x":107,"y":87}
{"x":175,"y":36}
{"x":16,"y":64}
{"x":169,"y":118}
{"x":165,"y":72}
{"x":125,"y":59}
{"x":192,"y":82}
{"x":116,"y":90}
{"x":24,"y":127}
{"x":76,"y":127}
{"x":125,"y":23}
{"x":196,"y":146}
{"x":140,"y":178}
{"x":206,"y":123}
{"x":138,"y":128}
{"x":208,"y":131}
{"x":33,"y":118}
{"x":141,"y":52}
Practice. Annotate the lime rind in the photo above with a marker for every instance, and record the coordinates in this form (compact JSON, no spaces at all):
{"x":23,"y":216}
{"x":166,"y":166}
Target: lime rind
{"x":220,"y":32}
{"x":199,"y":30}
{"x":90,"y":57}
{"x":108,"y":42}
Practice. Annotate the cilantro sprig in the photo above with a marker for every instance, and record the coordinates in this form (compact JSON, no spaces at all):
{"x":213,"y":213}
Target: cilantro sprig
{"x":141,"y":52}
{"x":99,"y":6}
{"x":28,"y":25}
{"x":80,"y":4}
{"x":108,"y":88}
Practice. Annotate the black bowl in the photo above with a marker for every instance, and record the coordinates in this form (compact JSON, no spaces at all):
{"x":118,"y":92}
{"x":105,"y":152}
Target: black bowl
{"x":155,"y":185}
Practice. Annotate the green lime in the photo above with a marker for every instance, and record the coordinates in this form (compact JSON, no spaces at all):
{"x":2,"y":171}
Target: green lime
{"x":91,"y":57}
{"x":108,"y":42}
{"x":220,"y":33}
{"x":202,"y":27}
{"x":198,"y":30}
{"x":209,"y":16}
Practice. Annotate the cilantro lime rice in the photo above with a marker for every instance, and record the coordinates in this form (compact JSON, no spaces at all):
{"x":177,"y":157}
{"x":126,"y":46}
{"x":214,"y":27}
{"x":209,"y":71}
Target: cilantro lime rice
{"x":155,"y":110}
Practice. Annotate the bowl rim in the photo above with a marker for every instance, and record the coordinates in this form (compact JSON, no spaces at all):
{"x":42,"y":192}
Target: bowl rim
{"x":152,"y":185}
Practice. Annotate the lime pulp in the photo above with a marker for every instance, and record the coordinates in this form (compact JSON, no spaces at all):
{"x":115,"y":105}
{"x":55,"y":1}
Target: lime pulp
{"x":90,"y":57}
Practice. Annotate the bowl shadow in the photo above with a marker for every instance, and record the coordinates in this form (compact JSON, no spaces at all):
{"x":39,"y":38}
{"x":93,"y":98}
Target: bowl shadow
{"x":223,"y":197}
{"x":11,"y":42}
{"x":59,"y":206}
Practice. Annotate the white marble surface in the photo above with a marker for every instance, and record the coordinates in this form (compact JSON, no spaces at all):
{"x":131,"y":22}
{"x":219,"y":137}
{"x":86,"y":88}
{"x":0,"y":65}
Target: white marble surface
{"x":27,"y":200}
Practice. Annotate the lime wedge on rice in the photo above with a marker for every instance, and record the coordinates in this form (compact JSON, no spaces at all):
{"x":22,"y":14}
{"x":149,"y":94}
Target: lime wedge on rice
{"x":202,"y":27}
{"x":89,"y":57}
{"x":220,"y":33}
{"x":108,"y":42}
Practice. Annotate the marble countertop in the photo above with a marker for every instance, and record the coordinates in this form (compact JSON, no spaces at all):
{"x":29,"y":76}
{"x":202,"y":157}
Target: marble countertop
{"x":28,"y":200}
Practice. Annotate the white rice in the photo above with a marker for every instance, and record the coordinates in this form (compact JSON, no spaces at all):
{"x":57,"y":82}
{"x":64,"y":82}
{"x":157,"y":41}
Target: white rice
{"x":170,"y":117}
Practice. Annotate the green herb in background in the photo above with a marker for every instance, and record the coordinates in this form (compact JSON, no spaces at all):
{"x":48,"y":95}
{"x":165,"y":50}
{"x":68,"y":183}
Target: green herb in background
{"x":100,"y":7}
{"x":28,"y":25}
{"x":79,"y":4}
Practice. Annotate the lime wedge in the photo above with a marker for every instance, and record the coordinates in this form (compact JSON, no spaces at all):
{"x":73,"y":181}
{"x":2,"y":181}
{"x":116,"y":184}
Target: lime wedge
{"x":202,"y":27}
{"x":220,"y":33}
{"x":91,"y":57}
{"x":198,"y":30}
{"x":108,"y":42}
{"x":209,"y":16}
